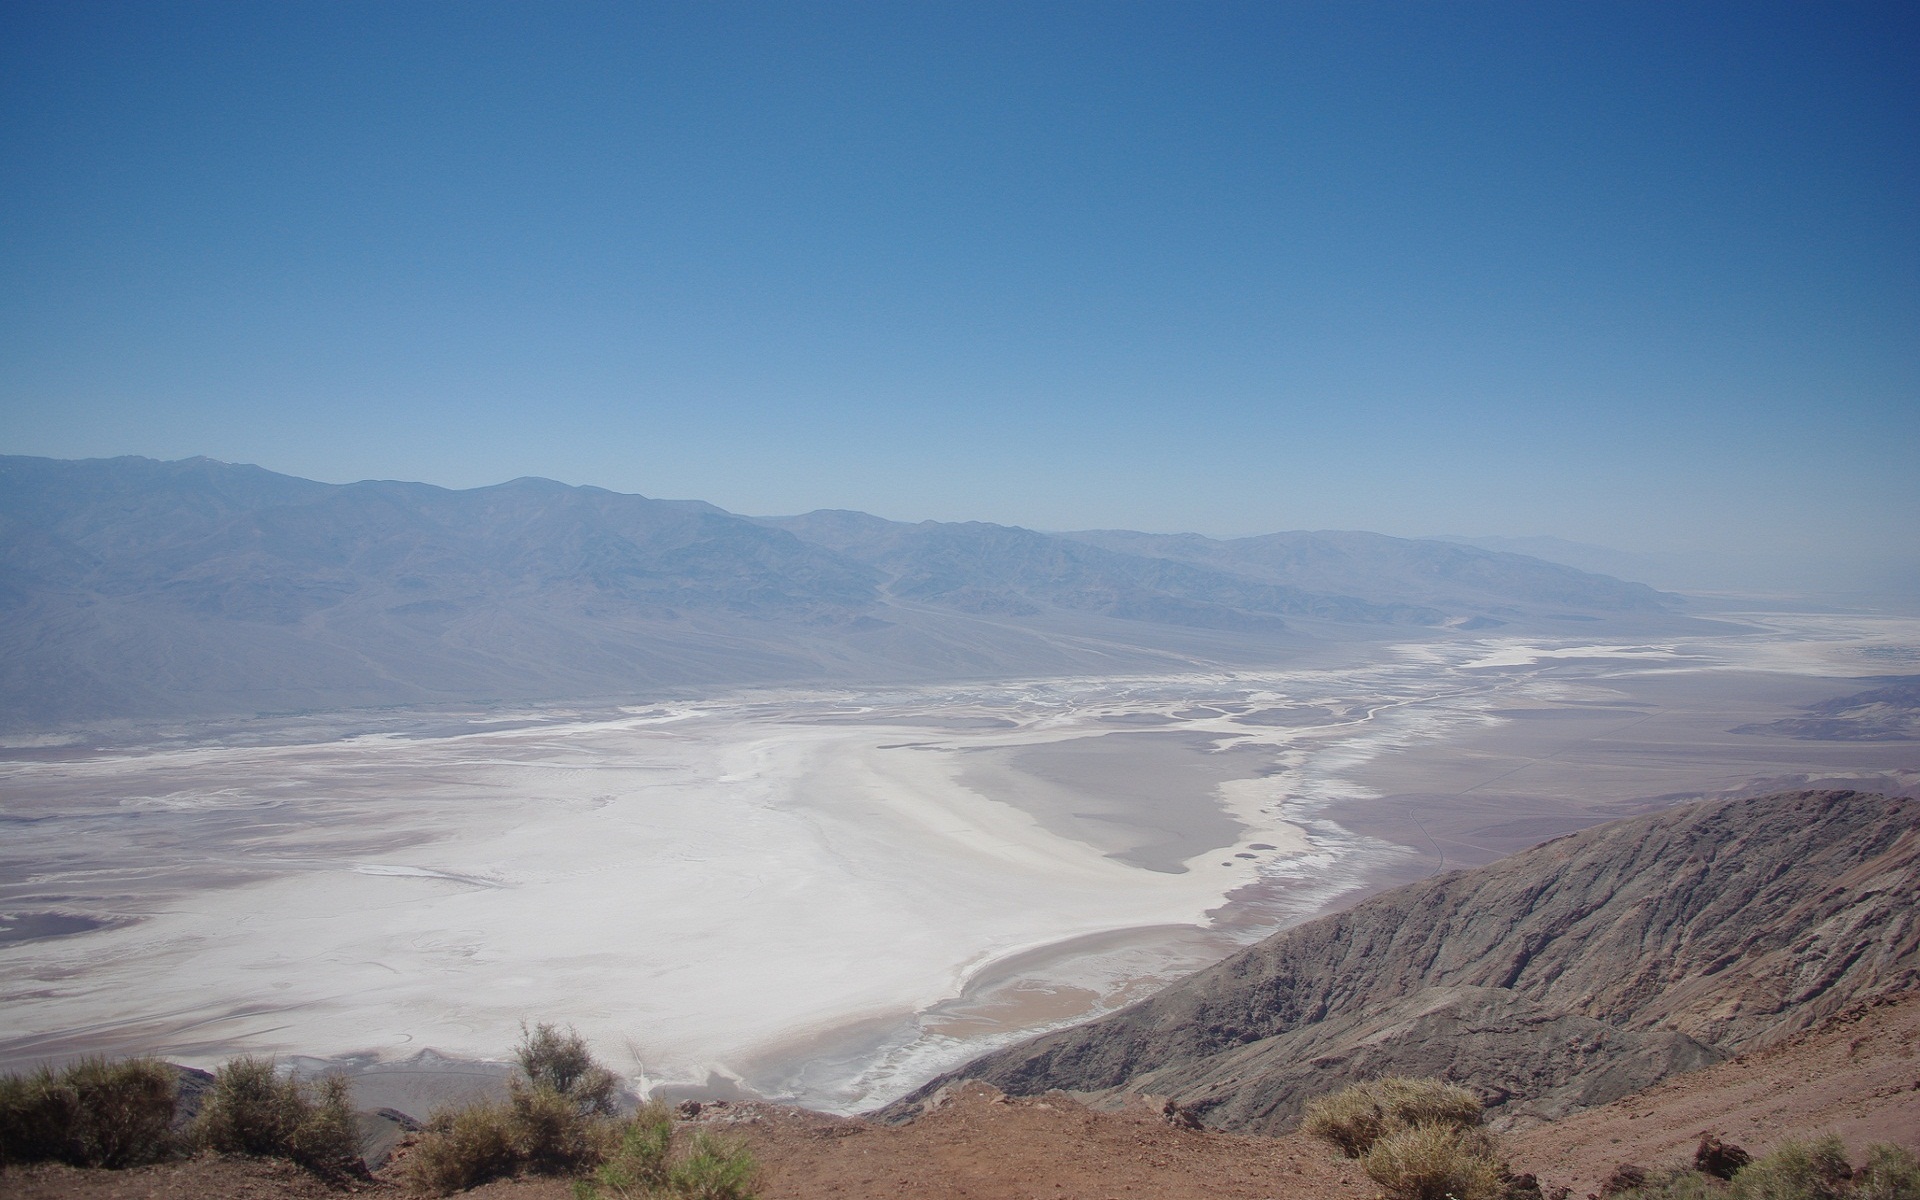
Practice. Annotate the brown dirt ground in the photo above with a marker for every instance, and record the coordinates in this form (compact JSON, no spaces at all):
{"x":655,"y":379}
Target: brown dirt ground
{"x":979,"y":1145}
{"x":209,"y":1176}
{"x":1858,"y":1077}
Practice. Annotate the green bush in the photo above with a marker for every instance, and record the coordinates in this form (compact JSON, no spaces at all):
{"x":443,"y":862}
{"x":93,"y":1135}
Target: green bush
{"x":93,"y":1113}
{"x":1355,"y":1117}
{"x":1796,"y":1171}
{"x":1436,"y":1162}
{"x":1891,"y":1173}
{"x":643,"y":1169}
{"x":640,"y":1166}
{"x":715,"y":1169}
{"x":252,"y":1109}
{"x":1678,"y":1184}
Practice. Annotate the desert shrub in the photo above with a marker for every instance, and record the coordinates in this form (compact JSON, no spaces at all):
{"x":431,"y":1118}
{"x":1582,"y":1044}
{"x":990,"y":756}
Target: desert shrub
{"x":1677,"y":1184}
{"x":252,"y":1109}
{"x":94,"y":1113}
{"x":556,"y":1121}
{"x":1355,"y":1117}
{"x":463,"y":1148}
{"x":711,"y":1168}
{"x":35,"y":1115}
{"x":1436,"y":1162}
{"x":561,"y":1062}
{"x":1796,"y":1171}
{"x":1891,"y":1173}
{"x":639,"y":1167}
{"x":552,"y":1134}
{"x":327,"y":1139}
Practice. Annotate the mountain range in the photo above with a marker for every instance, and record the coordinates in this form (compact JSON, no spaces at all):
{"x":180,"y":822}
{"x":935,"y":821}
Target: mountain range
{"x":137,"y":588}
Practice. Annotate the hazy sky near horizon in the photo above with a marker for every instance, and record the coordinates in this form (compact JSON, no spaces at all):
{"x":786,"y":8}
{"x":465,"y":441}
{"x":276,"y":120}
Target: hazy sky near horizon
{"x":1639,"y":274}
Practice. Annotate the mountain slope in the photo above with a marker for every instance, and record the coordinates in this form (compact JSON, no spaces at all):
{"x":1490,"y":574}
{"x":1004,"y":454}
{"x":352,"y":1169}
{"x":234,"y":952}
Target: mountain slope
{"x":977,"y":567}
{"x":1556,"y":979}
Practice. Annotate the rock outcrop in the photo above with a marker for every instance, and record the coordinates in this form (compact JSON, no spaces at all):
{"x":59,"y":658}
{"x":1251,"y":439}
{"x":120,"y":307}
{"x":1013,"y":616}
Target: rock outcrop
{"x":1560,"y":978}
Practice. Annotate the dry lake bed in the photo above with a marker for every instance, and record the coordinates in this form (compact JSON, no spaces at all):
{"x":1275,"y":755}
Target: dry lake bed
{"x":826,"y":896}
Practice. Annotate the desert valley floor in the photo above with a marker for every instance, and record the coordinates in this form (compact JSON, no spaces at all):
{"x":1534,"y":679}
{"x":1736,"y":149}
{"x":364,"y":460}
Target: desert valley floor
{"x":827,"y":896}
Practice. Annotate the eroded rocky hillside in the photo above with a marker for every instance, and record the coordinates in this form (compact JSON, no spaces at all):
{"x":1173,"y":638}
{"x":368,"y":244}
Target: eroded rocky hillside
{"x":1557,"y":979}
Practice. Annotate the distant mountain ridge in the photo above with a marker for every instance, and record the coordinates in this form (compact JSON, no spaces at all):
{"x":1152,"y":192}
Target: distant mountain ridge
{"x":134,"y":587}
{"x":1559,"y":978}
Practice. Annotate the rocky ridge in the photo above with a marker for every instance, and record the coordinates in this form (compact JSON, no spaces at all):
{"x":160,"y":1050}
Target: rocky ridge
{"x":1558,"y":979}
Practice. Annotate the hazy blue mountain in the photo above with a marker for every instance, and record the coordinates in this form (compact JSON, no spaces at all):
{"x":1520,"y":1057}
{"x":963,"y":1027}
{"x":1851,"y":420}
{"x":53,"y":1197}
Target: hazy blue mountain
{"x":977,"y":567}
{"x":1602,"y":560}
{"x":136,"y":588}
{"x":1442,"y":574}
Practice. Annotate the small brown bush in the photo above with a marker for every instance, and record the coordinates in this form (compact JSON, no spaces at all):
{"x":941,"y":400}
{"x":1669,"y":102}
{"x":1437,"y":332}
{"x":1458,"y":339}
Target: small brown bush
{"x":556,"y":1121}
{"x":250,"y":1110}
{"x":462,"y":1149}
{"x":94,"y":1113}
{"x":1355,"y":1117}
{"x":551,"y":1133}
{"x":327,"y":1139}
{"x":1436,"y":1162}
{"x":560,"y":1062}
{"x":1722,"y":1160}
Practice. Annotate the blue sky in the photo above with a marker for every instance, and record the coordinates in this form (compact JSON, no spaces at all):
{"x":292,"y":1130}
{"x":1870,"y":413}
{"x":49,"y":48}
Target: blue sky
{"x":1644,"y":275}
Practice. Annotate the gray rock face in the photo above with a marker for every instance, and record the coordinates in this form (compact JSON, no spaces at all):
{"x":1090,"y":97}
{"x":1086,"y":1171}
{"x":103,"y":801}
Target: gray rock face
{"x":1562,"y":977}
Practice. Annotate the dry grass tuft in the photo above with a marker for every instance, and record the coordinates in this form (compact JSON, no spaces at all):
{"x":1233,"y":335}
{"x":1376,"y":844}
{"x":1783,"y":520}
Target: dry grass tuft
{"x":1355,"y":1117}
{"x":1436,"y":1162}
